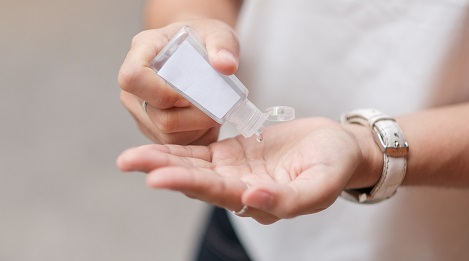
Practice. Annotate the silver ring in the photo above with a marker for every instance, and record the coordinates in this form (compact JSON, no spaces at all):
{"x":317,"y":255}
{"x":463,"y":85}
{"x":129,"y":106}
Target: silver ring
{"x":144,"y":106}
{"x":241,"y":212}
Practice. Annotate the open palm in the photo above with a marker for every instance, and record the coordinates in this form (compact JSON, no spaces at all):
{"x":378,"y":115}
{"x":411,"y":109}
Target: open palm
{"x":299,"y":168}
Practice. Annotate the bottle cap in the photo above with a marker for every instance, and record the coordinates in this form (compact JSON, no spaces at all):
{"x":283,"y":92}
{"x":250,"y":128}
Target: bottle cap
{"x":249,"y":120}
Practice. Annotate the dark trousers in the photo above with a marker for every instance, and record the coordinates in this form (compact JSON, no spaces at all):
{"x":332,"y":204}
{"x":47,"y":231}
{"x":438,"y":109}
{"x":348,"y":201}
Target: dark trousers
{"x":219,"y":241}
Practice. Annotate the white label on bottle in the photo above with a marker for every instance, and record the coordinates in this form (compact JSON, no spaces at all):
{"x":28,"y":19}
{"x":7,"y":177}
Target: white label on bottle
{"x":191,"y":74}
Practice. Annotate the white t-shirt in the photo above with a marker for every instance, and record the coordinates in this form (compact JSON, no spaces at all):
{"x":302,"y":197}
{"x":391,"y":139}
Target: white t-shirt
{"x":327,"y":57}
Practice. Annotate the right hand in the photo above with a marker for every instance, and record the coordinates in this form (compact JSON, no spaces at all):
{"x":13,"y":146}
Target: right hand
{"x":170,"y":118}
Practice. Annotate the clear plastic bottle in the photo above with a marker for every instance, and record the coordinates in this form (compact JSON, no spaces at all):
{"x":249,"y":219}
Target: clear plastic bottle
{"x":183,"y":64}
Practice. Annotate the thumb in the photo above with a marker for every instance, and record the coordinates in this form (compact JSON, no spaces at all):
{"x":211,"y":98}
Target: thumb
{"x":223,"y":50}
{"x":293,"y":199}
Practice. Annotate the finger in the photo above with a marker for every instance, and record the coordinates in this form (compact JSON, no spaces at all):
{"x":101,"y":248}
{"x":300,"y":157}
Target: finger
{"x":263,"y":217}
{"x":209,"y":137}
{"x":300,"y":197}
{"x":134,"y":105}
{"x":201,"y":183}
{"x":223,"y":49}
{"x":180,"y":119}
{"x":150,"y":157}
{"x":146,"y":126}
{"x":202,"y":137}
{"x":198,"y":152}
{"x":206,"y":185}
{"x":189,"y":137}
{"x":137,"y":78}
{"x":221,"y":43}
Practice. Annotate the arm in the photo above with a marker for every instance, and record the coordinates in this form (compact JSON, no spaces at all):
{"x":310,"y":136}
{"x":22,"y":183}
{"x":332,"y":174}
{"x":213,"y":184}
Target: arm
{"x":439,"y":146}
{"x":159,"y":13}
{"x":302,"y":166}
{"x":439,"y":149}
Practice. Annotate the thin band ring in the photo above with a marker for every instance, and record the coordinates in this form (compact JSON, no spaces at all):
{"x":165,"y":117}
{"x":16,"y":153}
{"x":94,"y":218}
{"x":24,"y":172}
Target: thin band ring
{"x":241,"y":212}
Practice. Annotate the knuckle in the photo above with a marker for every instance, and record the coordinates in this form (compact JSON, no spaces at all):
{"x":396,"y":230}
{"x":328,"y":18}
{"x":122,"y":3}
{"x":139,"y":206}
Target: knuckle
{"x":138,"y":38}
{"x":128,"y":77}
{"x":164,"y":97}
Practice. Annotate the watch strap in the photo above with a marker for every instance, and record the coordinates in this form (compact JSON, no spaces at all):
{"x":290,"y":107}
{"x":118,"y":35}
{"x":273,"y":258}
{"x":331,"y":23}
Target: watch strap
{"x":390,"y":138}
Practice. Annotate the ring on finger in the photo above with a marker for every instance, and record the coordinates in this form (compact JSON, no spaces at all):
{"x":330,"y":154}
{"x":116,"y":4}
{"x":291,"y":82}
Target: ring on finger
{"x":241,"y":212}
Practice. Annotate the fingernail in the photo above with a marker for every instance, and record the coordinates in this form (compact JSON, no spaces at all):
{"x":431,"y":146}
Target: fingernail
{"x":227,"y":55}
{"x":262,"y":200}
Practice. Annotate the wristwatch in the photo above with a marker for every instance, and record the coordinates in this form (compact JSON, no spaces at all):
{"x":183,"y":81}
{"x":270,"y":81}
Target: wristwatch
{"x":389,"y":137}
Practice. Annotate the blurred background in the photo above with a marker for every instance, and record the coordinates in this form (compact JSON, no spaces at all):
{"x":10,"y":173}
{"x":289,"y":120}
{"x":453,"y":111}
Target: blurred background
{"x":62,"y":127}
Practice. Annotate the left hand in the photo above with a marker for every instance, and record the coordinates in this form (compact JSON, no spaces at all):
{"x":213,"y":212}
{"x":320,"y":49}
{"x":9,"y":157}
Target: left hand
{"x":300,"y":168}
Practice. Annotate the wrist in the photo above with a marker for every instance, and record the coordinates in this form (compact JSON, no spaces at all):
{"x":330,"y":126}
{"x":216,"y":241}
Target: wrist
{"x":369,"y":170}
{"x":390,"y":139}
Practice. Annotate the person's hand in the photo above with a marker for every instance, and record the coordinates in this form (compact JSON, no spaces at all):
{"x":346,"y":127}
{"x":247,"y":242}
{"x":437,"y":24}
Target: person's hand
{"x":170,"y":118}
{"x":300,"y":168}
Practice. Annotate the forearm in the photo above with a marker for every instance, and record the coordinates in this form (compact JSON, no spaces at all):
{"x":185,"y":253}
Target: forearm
{"x":439,"y":149}
{"x":439,"y":146}
{"x":162,"y":12}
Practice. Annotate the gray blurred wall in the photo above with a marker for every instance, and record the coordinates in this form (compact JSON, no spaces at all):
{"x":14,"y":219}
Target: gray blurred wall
{"x":62,"y":126}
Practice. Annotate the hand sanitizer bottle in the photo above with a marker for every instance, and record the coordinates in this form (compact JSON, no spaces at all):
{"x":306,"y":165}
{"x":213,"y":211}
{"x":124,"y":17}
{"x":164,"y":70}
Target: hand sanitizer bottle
{"x":183,"y":64}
